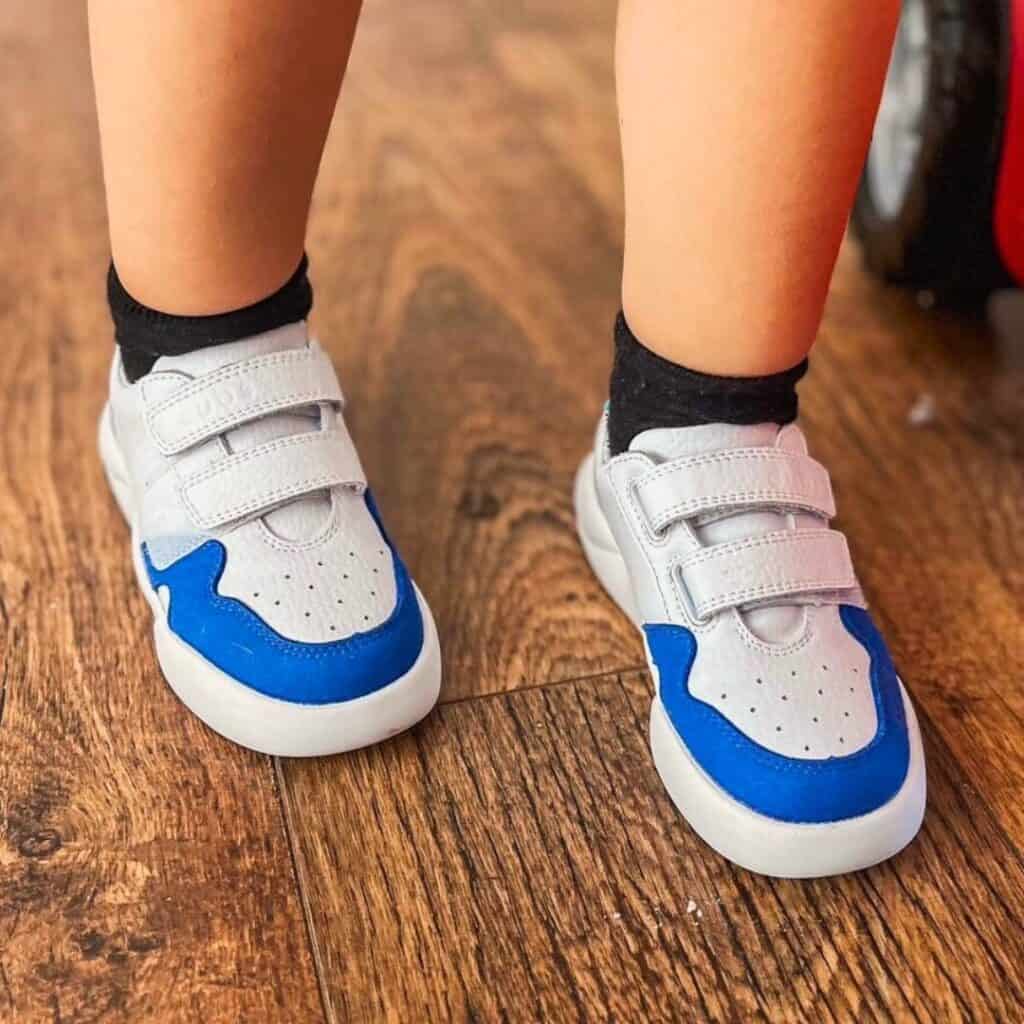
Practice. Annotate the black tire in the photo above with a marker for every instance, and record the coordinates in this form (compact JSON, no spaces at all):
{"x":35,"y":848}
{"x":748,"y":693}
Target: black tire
{"x":940,"y":237}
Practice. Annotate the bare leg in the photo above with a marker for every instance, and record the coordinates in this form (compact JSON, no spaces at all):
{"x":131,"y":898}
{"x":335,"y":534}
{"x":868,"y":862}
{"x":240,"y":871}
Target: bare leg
{"x":744,"y":130}
{"x":213,"y":118}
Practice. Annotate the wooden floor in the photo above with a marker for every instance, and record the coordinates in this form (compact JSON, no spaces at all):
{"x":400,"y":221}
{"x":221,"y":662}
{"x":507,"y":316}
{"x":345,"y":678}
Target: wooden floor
{"x":514,"y":858}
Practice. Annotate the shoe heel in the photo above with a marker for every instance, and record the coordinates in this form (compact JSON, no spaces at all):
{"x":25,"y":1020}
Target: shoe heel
{"x":113,"y":466}
{"x":608,"y":565}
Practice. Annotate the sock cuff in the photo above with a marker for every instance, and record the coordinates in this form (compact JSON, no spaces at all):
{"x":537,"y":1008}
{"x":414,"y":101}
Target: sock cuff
{"x":648,"y":391}
{"x":145,"y":334}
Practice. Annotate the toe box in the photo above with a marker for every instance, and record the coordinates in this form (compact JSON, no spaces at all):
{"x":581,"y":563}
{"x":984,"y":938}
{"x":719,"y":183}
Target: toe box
{"x":792,"y":784}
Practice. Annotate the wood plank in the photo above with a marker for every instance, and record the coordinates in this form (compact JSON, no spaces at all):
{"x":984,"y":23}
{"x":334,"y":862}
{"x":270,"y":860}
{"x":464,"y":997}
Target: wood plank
{"x":466,"y":251}
{"x":933,"y":511}
{"x":472,"y":329}
{"x":145,"y":873}
{"x":467,"y":273}
{"x":473,"y":333}
{"x":517,"y":859}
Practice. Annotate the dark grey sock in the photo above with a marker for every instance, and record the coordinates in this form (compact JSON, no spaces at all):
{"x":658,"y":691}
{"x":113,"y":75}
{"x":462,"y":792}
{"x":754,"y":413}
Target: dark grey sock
{"x":145,"y":334}
{"x":648,"y":391}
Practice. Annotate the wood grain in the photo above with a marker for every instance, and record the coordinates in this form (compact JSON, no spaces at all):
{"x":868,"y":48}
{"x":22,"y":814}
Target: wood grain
{"x":469,"y":274}
{"x":145,"y":874}
{"x":934,"y":511}
{"x":503,"y":169}
{"x":517,"y":859}
{"x":514,"y":858}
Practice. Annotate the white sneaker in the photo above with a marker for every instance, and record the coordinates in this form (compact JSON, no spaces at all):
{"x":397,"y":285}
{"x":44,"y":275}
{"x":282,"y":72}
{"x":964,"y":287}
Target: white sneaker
{"x":780,"y":727}
{"x":284,"y":618}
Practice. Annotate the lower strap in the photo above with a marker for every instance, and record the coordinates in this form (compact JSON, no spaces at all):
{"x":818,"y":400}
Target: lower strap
{"x":255,"y":481}
{"x":793,"y":564}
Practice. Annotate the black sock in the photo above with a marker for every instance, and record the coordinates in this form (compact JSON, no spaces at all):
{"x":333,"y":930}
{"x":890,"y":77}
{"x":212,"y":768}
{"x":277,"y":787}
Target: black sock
{"x":145,"y":334}
{"x":648,"y":391}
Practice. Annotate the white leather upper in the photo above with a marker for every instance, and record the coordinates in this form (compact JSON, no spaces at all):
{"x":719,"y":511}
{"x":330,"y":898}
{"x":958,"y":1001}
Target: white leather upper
{"x":245,"y":443}
{"x":749,"y":565}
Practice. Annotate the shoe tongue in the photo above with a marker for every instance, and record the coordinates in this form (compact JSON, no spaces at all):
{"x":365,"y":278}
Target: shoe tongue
{"x":305,"y":516}
{"x":772,"y":623}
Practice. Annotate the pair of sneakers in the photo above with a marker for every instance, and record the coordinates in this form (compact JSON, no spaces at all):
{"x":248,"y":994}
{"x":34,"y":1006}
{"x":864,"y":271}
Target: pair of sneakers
{"x":286,"y":620}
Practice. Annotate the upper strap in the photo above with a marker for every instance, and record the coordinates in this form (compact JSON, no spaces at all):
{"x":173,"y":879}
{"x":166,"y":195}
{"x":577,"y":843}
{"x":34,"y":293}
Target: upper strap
{"x":256,"y":480}
{"x":785,"y":563}
{"x":695,"y":484}
{"x":219,"y":401}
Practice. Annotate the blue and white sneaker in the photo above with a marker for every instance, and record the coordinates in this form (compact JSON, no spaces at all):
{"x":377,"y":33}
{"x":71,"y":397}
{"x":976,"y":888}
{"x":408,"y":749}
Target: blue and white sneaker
{"x":284,"y":618}
{"x":779,"y":726}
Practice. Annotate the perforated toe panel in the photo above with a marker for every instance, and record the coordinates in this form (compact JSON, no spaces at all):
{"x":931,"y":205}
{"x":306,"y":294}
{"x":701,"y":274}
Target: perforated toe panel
{"x":319,"y":591}
{"x":811,"y":699}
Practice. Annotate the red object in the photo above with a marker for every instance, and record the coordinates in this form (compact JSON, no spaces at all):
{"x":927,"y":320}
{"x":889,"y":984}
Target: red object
{"x":1009,"y":211}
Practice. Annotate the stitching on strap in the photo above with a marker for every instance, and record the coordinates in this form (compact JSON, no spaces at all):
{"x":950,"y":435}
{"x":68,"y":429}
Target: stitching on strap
{"x":788,"y":544}
{"x":811,"y":490}
{"x":335,"y":463}
{"x":312,"y":358}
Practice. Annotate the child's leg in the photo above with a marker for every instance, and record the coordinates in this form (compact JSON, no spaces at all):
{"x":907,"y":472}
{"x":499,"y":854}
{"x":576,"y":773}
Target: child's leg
{"x":213,"y":117}
{"x":284,"y":619}
{"x":744,"y":129}
{"x":779,"y":728}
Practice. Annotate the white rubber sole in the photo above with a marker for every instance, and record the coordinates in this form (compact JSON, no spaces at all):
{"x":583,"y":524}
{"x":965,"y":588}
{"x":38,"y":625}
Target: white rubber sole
{"x":751,"y":840}
{"x":263,"y":723}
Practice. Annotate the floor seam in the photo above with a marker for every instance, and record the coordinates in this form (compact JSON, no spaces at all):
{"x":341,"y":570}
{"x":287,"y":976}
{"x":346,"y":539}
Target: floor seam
{"x":542,"y":686}
{"x":300,"y":886}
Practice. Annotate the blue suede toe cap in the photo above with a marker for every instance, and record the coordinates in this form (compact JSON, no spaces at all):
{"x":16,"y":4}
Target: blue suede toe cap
{"x":788,"y":789}
{"x":236,"y":640}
